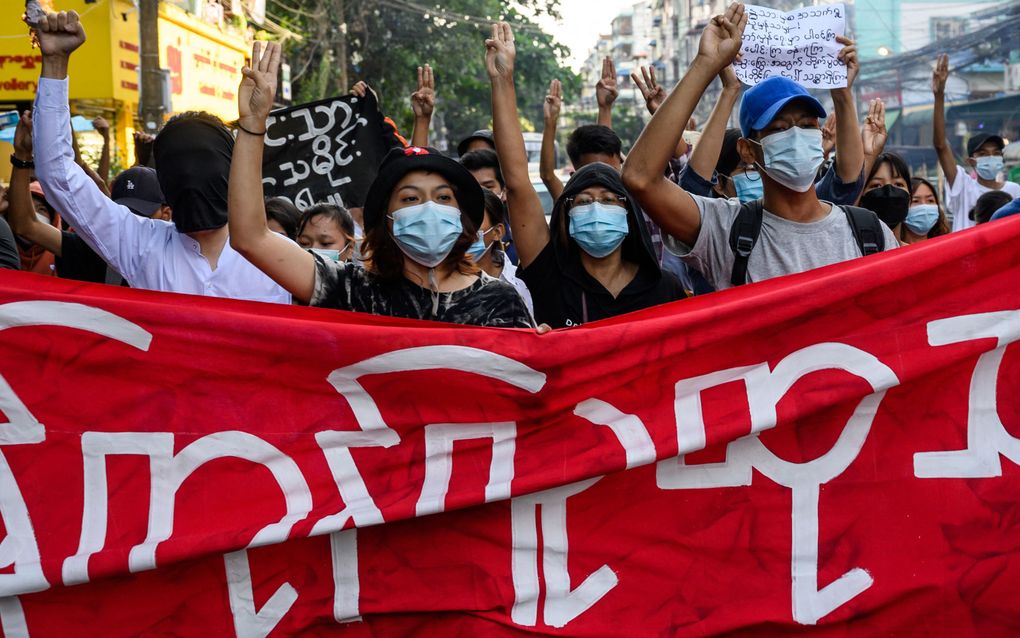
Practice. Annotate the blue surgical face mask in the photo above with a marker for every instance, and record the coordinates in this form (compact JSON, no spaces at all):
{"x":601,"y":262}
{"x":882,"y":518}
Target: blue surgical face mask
{"x":478,"y":248}
{"x":598,"y":228}
{"x":427,"y":232}
{"x":749,"y":186}
{"x":792,"y":157}
{"x":327,"y":253}
{"x":989,"y":167}
{"x":921,"y":218}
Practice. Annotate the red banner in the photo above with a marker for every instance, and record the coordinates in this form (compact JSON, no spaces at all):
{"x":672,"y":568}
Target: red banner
{"x":833,"y":453}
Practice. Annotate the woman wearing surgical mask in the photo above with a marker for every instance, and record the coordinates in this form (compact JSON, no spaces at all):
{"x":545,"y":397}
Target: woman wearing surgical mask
{"x":421,"y":214}
{"x":925,"y":218}
{"x":887,"y":190}
{"x":594,"y":258}
{"x":328,"y":231}
{"x":487,"y":251}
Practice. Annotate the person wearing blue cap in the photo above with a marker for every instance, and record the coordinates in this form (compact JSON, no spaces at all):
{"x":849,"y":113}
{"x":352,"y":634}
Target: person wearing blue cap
{"x":789,"y":229}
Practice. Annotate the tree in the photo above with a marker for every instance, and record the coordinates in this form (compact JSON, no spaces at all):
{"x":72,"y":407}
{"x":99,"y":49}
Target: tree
{"x":384,"y":42}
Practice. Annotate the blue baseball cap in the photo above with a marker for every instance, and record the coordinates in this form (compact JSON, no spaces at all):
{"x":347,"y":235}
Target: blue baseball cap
{"x":761,"y":102}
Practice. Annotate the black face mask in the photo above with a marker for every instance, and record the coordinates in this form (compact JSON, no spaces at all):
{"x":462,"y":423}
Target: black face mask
{"x":890,"y":203}
{"x":193,"y":167}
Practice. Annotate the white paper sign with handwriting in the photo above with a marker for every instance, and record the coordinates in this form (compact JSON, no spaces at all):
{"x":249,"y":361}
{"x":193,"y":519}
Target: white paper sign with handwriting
{"x":799,"y":45}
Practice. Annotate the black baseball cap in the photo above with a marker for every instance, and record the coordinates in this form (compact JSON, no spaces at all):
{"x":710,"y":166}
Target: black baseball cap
{"x":138,"y":189}
{"x":484,"y":134}
{"x":401,"y":161}
{"x":979,"y":140}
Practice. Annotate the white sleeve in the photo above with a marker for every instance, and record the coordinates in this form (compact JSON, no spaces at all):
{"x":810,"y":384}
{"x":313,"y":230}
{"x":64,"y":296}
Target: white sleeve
{"x":113,"y":231}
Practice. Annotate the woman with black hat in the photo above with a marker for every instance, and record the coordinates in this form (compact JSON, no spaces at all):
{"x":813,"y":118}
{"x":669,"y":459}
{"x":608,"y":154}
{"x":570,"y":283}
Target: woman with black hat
{"x":421,"y":215}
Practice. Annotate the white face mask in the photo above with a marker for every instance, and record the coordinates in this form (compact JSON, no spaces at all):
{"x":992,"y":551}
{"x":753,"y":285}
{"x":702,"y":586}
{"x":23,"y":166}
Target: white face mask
{"x":792,"y":157}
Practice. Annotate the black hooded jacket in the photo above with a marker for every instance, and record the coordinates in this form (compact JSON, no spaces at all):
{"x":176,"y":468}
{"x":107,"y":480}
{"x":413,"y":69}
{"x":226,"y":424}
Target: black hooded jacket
{"x":563,"y":292}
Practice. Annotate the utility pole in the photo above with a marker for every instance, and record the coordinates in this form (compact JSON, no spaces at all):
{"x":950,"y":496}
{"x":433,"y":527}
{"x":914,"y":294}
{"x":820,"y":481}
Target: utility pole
{"x":150,"y":107}
{"x":340,"y":44}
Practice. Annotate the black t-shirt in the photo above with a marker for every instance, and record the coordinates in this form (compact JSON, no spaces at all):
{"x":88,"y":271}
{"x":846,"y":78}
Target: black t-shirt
{"x":78,"y":261}
{"x":487,"y":302}
{"x":562,"y":301}
{"x":9,"y":258}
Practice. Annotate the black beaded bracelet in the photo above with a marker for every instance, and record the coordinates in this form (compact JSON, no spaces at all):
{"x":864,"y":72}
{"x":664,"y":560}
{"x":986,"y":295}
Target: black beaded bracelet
{"x":250,"y":132}
{"x":21,"y":163}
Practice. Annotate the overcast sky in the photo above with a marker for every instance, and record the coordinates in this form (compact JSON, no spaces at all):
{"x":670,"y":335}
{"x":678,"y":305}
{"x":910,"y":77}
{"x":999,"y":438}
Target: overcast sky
{"x":583,"y":21}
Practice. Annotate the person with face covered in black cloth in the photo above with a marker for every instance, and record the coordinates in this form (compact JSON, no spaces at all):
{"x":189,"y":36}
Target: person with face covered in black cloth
{"x":422,"y":213}
{"x":192,"y":154}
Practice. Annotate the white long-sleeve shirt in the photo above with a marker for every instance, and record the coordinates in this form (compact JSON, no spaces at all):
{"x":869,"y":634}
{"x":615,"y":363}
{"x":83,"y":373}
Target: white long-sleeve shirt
{"x":149,"y":253}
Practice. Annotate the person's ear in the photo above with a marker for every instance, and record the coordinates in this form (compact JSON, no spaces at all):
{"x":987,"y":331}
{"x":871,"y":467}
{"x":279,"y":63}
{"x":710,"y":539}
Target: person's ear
{"x":971,"y":162}
{"x":163,"y":213}
{"x":348,"y":252}
{"x":747,"y":151}
{"x":499,"y":232}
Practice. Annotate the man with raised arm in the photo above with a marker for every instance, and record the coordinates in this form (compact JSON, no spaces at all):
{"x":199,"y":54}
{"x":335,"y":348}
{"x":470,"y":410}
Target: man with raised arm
{"x":984,"y":156}
{"x":788,"y":231}
{"x":190,"y":255}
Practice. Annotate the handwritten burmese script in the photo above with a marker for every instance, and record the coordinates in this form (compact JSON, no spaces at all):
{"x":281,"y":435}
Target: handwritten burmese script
{"x":800,"y":45}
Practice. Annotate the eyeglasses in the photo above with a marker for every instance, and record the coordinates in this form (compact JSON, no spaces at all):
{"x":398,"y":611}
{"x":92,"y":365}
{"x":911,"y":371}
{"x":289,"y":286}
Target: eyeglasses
{"x":605,"y":200}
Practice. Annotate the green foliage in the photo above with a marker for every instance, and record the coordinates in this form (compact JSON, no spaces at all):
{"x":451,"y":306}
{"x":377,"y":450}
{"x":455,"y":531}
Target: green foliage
{"x":385,"y":42}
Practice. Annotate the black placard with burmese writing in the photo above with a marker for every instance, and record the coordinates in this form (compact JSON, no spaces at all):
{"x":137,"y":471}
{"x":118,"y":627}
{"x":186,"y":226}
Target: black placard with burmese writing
{"x":326,"y":151}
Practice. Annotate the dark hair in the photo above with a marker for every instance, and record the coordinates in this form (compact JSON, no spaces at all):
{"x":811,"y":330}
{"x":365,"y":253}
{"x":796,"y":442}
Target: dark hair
{"x":593,"y":139}
{"x":941,"y":226}
{"x":285,"y":214}
{"x":483,"y":158}
{"x":495,"y":207}
{"x":384,"y":259}
{"x":896,"y":164}
{"x":337,"y":214}
{"x":202,"y":116}
{"x":987,"y":204}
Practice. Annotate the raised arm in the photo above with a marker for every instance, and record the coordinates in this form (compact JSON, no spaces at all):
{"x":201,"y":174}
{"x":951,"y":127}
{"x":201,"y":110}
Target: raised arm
{"x":938,"y":120}
{"x":606,"y":92}
{"x":282,"y":260}
{"x":527,"y":219}
{"x":850,"y":153}
{"x":873,"y":134}
{"x":21,"y":213}
{"x":666,"y":203}
{"x":423,"y":103}
{"x":80,"y":161}
{"x":547,"y":160}
{"x":103,"y":128}
{"x":706,"y":152}
{"x":110,"y":229}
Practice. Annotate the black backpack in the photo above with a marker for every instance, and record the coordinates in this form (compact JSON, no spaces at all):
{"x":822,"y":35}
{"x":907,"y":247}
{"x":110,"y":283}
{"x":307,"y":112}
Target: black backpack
{"x":866,"y":227}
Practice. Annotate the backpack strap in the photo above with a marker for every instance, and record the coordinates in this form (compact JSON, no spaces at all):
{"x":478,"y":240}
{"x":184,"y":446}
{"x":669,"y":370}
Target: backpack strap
{"x":867,"y":229}
{"x":743,"y":236}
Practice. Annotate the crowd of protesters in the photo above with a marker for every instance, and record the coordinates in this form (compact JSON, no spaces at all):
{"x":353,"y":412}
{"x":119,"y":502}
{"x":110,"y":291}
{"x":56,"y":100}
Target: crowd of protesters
{"x":467,"y":240}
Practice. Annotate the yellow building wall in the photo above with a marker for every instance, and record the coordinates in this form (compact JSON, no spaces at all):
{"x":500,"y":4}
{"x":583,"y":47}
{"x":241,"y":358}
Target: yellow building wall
{"x":204,"y":63}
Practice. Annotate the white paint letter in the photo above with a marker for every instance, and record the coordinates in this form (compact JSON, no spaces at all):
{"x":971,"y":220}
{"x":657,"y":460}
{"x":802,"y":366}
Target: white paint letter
{"x":986,"y":436}
{"x":343,"y":551}
{"x":562,"y":604}
{"x":439,"y":441}
{"x":249,"y":623}
{"x":764,"y":390}
{"x":629,"y":430}
{"x":19,"y":548}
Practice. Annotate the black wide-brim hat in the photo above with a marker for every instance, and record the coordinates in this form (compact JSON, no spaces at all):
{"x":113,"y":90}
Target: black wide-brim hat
{"x":401,"y":161}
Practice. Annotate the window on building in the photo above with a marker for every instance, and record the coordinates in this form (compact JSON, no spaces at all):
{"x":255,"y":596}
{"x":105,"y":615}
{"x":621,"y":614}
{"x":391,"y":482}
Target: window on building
{"x":943,"y":28}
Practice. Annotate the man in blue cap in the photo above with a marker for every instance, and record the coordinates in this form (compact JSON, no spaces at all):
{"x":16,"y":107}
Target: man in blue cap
{"x":789,"y":230}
